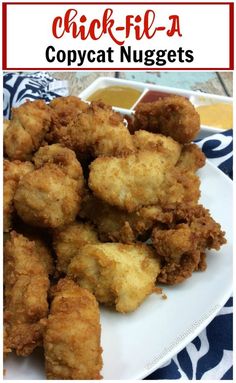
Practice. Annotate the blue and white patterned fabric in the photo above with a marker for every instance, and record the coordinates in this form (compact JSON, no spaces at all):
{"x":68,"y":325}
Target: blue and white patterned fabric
{"x":19,"y":87}
{"x":210,"y":355}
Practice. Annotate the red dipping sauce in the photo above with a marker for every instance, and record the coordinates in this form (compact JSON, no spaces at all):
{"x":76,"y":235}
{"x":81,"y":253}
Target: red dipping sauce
{"x":153,"y":95}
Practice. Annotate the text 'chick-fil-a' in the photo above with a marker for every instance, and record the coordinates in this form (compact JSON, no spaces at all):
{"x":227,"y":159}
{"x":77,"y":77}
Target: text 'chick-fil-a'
{"x":78,"y":26}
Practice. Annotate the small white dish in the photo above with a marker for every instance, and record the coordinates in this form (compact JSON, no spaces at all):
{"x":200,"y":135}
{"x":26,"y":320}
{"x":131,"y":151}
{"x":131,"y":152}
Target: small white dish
{"x":196,"y":97}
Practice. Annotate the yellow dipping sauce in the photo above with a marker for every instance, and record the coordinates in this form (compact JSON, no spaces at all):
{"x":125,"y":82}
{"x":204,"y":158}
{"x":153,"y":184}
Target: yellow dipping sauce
{"x":218,"y":115}
{"x":120,"y":96}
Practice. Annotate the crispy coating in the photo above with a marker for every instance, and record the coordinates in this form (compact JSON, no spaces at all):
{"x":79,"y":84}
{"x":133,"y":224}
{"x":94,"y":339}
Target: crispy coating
{"x":42,"y":240}
{"x":118,"y":225}
{"x":68,"y":241}
{"x":28,"y":126}
{"x":178,"y":253}
{"x":26,"y":285}
{"x":45,"y":255}
{"x":117,"y":274}
{"x":182,"y":247}
{"x":207,"y":231}
{"x":191,"y":158}
{"x":141,"y":179}
{"x":6,"y":124}
{"x":47,"y":197}
{"x":144,"y":140}
{"x":128,"y":182}
{"x":65,"y":110}
{"x":9,"y":188}
{"x":62,"y":157}
{"x":13,"y":172}
{"x":172,"y":116}
{"x":44,"y":252}
{"x":98,"y":131}
{"x":72,"y":337}
{"x":179,"y":187}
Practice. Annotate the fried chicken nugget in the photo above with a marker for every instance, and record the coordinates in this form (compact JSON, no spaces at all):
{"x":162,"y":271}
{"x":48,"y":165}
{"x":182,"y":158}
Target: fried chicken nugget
{"x":206,"y":230}
{"x":43,"y":251}
{"x":98,"y":131}
{"x":129,"y":182}
{"x":26,"y":285}
{"x":62,"y":157}
{"x":179,"y":255}
{"x":172,"y":116}
{"x":6,"y":124}
{"x":47,"y":197}
{"x":191,"y":158}
{"x":182,"y":247}
{"x":179,"y":187}
{"x":142,"y":179}
{"x":13,"y":172}
{"x":68,"y":241}
{"x":72,"y":337}
{"x":117,"y":274}
{"x":118,"y":225}
{"x":26,"y":131}
{"x":42,"y":241}
{"x":144,"y":140}
{"x":65,"y":110}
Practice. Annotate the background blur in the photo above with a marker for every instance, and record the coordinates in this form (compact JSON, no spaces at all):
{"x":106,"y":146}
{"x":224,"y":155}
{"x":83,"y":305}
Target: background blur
{"x":210,"y":82}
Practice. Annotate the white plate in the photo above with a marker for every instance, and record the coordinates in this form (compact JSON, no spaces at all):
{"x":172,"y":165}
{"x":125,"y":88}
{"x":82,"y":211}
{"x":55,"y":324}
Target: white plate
{"x":137,"y":344}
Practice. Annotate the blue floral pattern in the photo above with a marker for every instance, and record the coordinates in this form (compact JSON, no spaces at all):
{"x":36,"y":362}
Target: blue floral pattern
{"x":19,"y":87}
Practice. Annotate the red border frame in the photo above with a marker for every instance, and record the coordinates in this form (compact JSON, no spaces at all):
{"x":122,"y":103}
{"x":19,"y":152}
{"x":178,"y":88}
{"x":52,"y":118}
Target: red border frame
{"x":231,"y":35}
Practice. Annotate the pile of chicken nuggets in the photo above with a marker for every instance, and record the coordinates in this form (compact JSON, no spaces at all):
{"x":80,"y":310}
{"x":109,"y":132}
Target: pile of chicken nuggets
{"x":98,"y":209}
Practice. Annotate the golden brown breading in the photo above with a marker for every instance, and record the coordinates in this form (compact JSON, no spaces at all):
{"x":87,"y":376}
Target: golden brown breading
{"x":191,"y":158}
{"x":142,"y":179}
{"x":98,"y":131}
{"x":118,"y":225}
{"x":47,"y":197}
{"x":129,"y":182}
{"x":6,"y":124}
{"x":68,"y":241}
{"x":25,"y":133}
{"x":13,"y":172}
{"x":182,"y":247}
{"x":112,"y":223}
{"x":178,"y":253}
{"x":72,"y":337}
{"x":62,"y":157}
{"x":179,"y":187}
{"x":65,"y":110}
{"x":117,"y":274}
{"x":44,"y":252}
{"x":26,"y":285}
{"x":172,"y":116}
{"x":206,"y":230}
{"x":144,"y":140}
{"x":42,"y":240}
{"x":9,"y":188}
